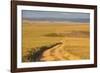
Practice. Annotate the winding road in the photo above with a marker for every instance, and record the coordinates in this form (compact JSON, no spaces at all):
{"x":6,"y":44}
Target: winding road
{"x":57,"y":53}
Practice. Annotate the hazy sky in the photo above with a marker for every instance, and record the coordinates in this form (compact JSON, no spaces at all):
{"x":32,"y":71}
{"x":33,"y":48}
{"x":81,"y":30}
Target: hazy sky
{"x":53,"y":15}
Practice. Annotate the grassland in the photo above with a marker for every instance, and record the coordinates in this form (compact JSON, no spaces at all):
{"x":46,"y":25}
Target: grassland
{"x":73,"y":36}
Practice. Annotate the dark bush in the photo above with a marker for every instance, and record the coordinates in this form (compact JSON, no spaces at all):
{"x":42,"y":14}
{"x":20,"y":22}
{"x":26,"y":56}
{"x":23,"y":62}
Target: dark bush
{"x":35,"y":55}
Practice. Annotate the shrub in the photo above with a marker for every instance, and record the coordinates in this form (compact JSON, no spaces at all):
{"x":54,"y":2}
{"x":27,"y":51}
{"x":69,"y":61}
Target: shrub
{"x":35,"y":55}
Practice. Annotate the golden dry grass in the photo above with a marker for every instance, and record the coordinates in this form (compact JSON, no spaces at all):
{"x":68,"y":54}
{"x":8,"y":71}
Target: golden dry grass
{"x":73,"y":47}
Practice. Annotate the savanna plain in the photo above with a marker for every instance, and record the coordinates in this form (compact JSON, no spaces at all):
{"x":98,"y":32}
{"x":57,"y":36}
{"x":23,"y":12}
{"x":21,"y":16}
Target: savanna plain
{"x":55,"y":41}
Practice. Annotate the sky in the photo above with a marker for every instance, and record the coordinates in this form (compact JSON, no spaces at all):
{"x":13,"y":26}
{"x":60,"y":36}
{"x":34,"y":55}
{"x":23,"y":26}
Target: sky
{"x":55,"y":16}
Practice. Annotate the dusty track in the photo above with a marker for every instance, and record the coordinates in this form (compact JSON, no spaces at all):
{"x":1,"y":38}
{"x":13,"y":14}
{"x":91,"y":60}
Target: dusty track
{"x":58,"y":53}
